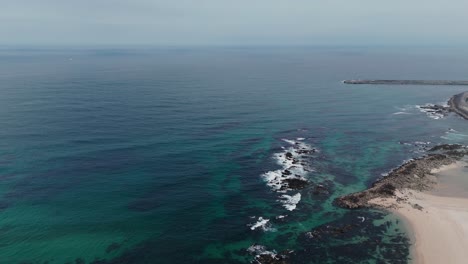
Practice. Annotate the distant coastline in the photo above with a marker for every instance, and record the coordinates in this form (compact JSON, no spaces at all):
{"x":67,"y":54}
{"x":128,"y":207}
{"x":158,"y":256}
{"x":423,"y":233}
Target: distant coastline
{"x":407,"y":82}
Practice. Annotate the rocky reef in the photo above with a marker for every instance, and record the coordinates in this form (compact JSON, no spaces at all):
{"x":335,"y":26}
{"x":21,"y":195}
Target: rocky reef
{"x":414,"y":174}
{"x":353,"y":238}
{"x":436,"y":110}
{"x":457,"y":104}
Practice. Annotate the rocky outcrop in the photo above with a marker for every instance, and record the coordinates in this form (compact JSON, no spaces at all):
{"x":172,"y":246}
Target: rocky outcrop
{"x":435,"y":109}
{"x":414,"y":174}
{"x":458,"y":104}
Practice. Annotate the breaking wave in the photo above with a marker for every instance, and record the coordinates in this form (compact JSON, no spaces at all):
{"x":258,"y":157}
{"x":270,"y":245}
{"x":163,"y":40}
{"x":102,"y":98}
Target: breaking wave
{"x":294,"y":162}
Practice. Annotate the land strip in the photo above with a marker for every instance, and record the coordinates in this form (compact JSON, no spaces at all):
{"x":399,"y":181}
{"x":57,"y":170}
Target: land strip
{"x":406,"y":82}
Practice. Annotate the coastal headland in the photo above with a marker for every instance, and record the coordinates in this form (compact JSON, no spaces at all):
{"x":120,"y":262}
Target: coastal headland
{"x":423,"y":192}
{"x":458,"y":104}
{"x":414,"y":175}
{"x":406,"y":82}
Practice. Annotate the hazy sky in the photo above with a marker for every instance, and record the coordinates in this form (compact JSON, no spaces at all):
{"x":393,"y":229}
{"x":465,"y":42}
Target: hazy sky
{"x":234,"y":22}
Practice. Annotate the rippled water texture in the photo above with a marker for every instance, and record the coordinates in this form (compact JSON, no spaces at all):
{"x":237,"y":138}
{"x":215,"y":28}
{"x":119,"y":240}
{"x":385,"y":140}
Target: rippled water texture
{"x":161,"y":156}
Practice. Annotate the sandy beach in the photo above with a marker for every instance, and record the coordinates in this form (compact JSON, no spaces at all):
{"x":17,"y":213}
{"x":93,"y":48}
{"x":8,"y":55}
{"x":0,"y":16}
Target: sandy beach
{"x":437,"y":220}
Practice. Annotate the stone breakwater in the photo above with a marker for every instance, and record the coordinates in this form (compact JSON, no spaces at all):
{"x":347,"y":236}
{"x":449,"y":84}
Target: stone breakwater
{"x":406,"y":82}
{"x":414,"y":174}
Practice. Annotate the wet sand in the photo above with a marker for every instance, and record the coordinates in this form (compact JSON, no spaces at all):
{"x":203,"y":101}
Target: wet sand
{"x":437,"y":220}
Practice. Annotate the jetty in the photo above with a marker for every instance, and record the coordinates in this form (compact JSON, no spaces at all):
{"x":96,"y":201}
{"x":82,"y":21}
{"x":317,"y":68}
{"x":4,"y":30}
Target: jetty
{"x":406,"y":82}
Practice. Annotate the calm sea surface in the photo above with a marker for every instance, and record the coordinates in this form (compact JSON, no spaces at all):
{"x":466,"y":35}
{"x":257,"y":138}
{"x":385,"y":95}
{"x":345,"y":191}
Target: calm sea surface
{"x":157,"y":156}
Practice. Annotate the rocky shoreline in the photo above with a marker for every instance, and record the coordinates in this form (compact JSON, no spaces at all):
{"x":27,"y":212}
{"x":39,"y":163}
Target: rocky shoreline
{"x":458,"y":104}
{"x":414,"y":174}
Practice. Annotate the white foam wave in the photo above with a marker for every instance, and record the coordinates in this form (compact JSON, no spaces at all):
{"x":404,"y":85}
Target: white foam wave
{"x":259,"y":250}
{"x":256,"y":249}
{"x":431,"y":113}
{"x":294,"y":161}
{"x":263,"y":224}
{"x":422,"y":143}
{"x":276,"y":180}
{"x":292,"y":142}
{"x":453,"y":134}
{"x":260,"y":223}
{"x":404,"y":108}
{"x":418,"y":146}
{"x":290,"y":202}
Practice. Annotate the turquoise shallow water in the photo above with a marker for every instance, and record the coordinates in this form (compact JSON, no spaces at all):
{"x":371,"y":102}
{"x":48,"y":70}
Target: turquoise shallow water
{"x":156,"y":156}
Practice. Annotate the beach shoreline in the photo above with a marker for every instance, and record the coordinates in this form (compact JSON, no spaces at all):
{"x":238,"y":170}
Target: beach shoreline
{"x":437,"y":225}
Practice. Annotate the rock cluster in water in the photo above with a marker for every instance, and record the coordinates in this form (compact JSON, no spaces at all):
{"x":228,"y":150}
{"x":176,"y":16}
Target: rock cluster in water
{"x":435,"y":111}
{"x":264,"y":256}
{"x":457,"y":104}
{"x":414,"y":174}
{"x":349,"y":239}
{"x":294,"y":161}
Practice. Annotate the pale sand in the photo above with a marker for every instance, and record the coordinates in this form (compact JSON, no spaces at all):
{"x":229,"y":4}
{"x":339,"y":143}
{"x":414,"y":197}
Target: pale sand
{"x":439,"y":231}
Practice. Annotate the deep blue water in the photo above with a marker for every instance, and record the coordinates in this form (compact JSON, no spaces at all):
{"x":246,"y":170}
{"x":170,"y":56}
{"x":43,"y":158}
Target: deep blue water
{"x":156,"y":155}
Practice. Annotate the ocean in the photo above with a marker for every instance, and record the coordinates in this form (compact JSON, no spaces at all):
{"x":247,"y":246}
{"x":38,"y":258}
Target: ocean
{"x":175,"y":155}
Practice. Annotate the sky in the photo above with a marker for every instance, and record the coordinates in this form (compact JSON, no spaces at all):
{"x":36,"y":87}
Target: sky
{"x":233,"y":22}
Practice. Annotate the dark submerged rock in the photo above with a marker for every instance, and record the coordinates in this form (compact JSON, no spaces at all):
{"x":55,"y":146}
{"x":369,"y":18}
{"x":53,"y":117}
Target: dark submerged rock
{"x":295,"y":183}
{"x":326,"y":231}
{"x":320,"y":189}
{"x":437,"y":109}
{"x":112,"y":247}
{"x":271,"y":259}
